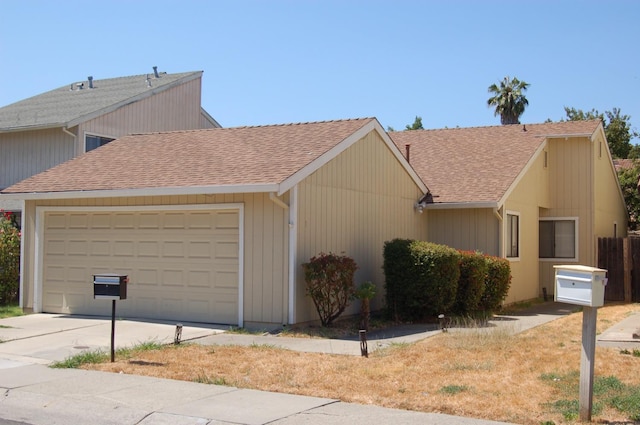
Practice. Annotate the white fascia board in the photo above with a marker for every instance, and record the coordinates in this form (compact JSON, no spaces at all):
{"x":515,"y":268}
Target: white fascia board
{"x":569,"y":135}
{"x":209,"y":118}
{"x":162,"y":191}
{"x":152,"y":91}
{"x":522,"y":172}
{"x":460,"y":205}
{"x":31,"y":127}
{"x":323,"y":159}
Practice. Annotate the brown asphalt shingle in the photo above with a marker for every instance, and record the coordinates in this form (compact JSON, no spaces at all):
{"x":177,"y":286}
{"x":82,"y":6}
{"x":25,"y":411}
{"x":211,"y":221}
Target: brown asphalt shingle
{"x":478,"y":164}
{"x":215,"y":157}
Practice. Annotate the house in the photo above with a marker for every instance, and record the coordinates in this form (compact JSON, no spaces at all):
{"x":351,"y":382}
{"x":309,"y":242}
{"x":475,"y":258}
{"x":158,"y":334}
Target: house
{"x":50,"y":128}
{"x":536,"y":194}
{"x":213,"y":225}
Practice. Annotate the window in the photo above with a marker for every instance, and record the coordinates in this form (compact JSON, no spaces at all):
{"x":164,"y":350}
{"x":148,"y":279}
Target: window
{"x":513,"y":235}
{"x":92,"y":142}
{"x":558,"y":238}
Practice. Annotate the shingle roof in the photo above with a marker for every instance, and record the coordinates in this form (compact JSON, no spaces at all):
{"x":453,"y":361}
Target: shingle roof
{"x":479,"y":164}
{"x":69,"y":105}
{"x":202,"y":158}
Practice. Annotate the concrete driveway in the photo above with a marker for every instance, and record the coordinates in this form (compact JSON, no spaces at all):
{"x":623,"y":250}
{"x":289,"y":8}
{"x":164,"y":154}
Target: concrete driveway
{"x":45,"y":338}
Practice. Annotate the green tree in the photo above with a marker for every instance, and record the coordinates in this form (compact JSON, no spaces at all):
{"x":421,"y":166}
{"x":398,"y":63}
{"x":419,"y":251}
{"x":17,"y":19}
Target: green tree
{"x":628,"y":179}
{"x":617,"y":129}
{"x":417,"y":124}
{"x":508,"y":99}
{"x":9,"y":258}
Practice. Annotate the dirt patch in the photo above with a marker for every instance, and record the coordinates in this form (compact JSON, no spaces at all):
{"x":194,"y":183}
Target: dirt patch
{"x":489,"y":373}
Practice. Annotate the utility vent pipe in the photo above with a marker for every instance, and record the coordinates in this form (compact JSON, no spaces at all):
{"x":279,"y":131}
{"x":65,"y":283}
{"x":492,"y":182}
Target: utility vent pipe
{"x":155,"y":72}
{"x":407,"y":148}
{"x":90,"y":78}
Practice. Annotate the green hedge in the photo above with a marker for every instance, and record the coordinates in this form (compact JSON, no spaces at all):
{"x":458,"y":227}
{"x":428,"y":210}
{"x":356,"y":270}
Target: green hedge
{"x":473,"y":276}
{"x":421,"y":278}
{"x":497,"y":284}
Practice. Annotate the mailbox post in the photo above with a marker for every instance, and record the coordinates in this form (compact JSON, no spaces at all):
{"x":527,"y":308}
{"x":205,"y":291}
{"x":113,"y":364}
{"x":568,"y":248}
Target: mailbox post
{"x":582,"y":285}
{"x":110,"y":286}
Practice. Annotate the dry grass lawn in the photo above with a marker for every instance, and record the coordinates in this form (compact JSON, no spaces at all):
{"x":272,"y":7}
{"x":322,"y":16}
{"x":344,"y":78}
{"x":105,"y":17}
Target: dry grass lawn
{"x":490,"y":373}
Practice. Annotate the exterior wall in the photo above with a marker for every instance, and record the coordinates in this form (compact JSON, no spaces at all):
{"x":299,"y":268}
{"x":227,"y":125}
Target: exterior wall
{"x":177,"y":108}
{"x":530,"y":193}
{"x":23,"y":154}
{"x":351,"y":206}
{"x":572,"y":177}
{"x":474,"y":229}
{"x":265,"y":247}
{"x":610,"y":210}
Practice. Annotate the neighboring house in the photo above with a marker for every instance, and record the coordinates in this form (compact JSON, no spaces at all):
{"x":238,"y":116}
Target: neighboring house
{"x":538,"y":195}
{"x":48,"y":129}
{"x":213,"y":225}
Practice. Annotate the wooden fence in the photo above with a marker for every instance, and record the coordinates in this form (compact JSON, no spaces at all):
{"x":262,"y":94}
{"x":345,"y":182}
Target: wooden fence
{"x":621,"y":258}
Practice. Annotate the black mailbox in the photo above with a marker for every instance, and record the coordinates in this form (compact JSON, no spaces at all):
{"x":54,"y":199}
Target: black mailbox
{"x":110,"y":286}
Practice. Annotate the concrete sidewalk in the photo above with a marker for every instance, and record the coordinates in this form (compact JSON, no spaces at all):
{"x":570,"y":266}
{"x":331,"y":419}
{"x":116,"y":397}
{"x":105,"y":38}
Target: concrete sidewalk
{"x":36,"y":394}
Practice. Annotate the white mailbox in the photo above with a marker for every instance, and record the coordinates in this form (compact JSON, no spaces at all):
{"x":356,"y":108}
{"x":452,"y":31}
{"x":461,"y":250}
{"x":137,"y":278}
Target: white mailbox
{"x":580,"y":285}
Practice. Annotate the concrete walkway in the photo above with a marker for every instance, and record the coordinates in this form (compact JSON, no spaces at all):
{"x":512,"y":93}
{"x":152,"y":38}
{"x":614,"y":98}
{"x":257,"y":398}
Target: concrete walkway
{"x":36,"y":394}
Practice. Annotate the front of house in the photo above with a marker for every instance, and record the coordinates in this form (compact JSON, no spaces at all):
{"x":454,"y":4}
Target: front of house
{"x":213,"y":225}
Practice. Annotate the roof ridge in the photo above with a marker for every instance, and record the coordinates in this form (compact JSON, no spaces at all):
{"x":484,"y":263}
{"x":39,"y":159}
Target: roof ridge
{"x":150,"y":74}
{"x":497,"y":126}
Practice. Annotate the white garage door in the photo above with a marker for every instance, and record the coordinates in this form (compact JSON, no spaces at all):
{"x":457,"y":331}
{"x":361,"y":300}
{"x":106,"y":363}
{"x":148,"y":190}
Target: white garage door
{"x":182,"y":265}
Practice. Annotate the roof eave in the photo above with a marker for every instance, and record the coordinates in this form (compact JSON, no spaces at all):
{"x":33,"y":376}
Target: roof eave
{"x":461,"y":205}
{"x":32,"y":127}
{"x":154,"y":191}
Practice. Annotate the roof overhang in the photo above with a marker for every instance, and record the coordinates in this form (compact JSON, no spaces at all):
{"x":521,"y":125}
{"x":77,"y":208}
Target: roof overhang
{"x":162,"y":191}
{"x":32,"y":127}
{"x":460,"y":205}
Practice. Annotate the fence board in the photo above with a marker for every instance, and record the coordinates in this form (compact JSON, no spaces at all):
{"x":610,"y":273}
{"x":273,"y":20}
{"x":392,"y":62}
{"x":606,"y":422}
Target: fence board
{"x":610,"y":257}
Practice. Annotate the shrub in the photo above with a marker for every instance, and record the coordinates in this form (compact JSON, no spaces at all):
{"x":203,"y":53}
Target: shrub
{"x":471,"y":285}
{"x":496,"y":285}
{"x":330,"y":285}
{"x":9,"y":258}
{"x":421,"y":278}
{"x":365,"y":292}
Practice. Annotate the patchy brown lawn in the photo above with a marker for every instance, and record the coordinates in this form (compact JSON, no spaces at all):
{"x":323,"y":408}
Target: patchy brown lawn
{"x":491,"y":373}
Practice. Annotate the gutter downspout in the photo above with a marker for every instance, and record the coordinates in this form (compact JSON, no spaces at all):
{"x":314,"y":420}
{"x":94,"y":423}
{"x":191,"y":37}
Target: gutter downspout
{"x":293,"y":217}
{"x":496,"y":212}
{"x":75,"y":148}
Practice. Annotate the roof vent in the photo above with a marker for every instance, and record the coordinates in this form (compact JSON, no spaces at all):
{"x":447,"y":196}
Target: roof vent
{"x":524,"y":127}
{"x":80,"y":86}
{"x":90,"y":78}
{"x":407,"y":148}
{"x":148,"y":80}
{"x":155,"y":72}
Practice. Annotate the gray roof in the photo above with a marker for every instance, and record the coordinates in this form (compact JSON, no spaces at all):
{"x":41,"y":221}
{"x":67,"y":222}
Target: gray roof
{"x":75,"y":103}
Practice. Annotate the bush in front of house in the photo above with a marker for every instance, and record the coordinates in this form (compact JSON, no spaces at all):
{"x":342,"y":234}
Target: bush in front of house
{"x":9,"y":258}
{"x":474,"y":270}
{"x":496,"y":285}
{"x":330,"y":284}
{"x":421,"y":278}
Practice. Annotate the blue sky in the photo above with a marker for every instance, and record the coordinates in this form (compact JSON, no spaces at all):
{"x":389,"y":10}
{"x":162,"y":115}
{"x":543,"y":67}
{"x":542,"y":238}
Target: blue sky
{"x":272,"y":62}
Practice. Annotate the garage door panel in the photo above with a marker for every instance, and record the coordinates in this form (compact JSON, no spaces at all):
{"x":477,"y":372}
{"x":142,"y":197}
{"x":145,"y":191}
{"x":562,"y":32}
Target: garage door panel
{"x":181,"y":265}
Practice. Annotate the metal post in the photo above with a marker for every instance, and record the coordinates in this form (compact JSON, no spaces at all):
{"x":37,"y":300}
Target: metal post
{"x":113,"y":329}
{"x":587,"y":357}
{"x":364,"y":351}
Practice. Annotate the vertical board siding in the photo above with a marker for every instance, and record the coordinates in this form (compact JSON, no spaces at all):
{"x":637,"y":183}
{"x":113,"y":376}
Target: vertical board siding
{"x":609,"y":203}
{"x":467,"y":229}
{"x":351,"y":206}
{"x":23,"y":154}
{"x":265,"y":231}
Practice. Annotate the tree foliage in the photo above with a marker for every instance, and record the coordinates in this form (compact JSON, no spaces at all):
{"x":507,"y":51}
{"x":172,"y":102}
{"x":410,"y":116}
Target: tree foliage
{"x":509,"y":99}
{"x":617,"y":129}
{"x":417,"y":124}
{"x":9,"y":258}
{"x":330,"y":284}
{"x":628,"y":179}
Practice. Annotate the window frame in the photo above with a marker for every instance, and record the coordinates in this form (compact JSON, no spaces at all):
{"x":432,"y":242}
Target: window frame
{"x":508,"y":235}
{"x":576,"y":244}
{"x":101,"y":136}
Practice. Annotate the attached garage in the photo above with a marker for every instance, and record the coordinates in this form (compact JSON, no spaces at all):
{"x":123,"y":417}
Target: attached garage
{"x":183,"y":264}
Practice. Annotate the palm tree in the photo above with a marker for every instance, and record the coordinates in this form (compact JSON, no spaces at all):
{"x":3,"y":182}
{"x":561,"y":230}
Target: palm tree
{"x":508,"y":99}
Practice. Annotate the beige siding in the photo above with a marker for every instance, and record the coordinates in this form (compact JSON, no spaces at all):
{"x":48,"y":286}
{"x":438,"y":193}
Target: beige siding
{"x":351,"y":206}
{"x":530,"y":192}
{"x":474,"y":229}
{"x":23,"y":154}
{"x":608,"y":201}
{"x":571,"y":163}
{"x":177,"y":108}
{"x":265,"y":230}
